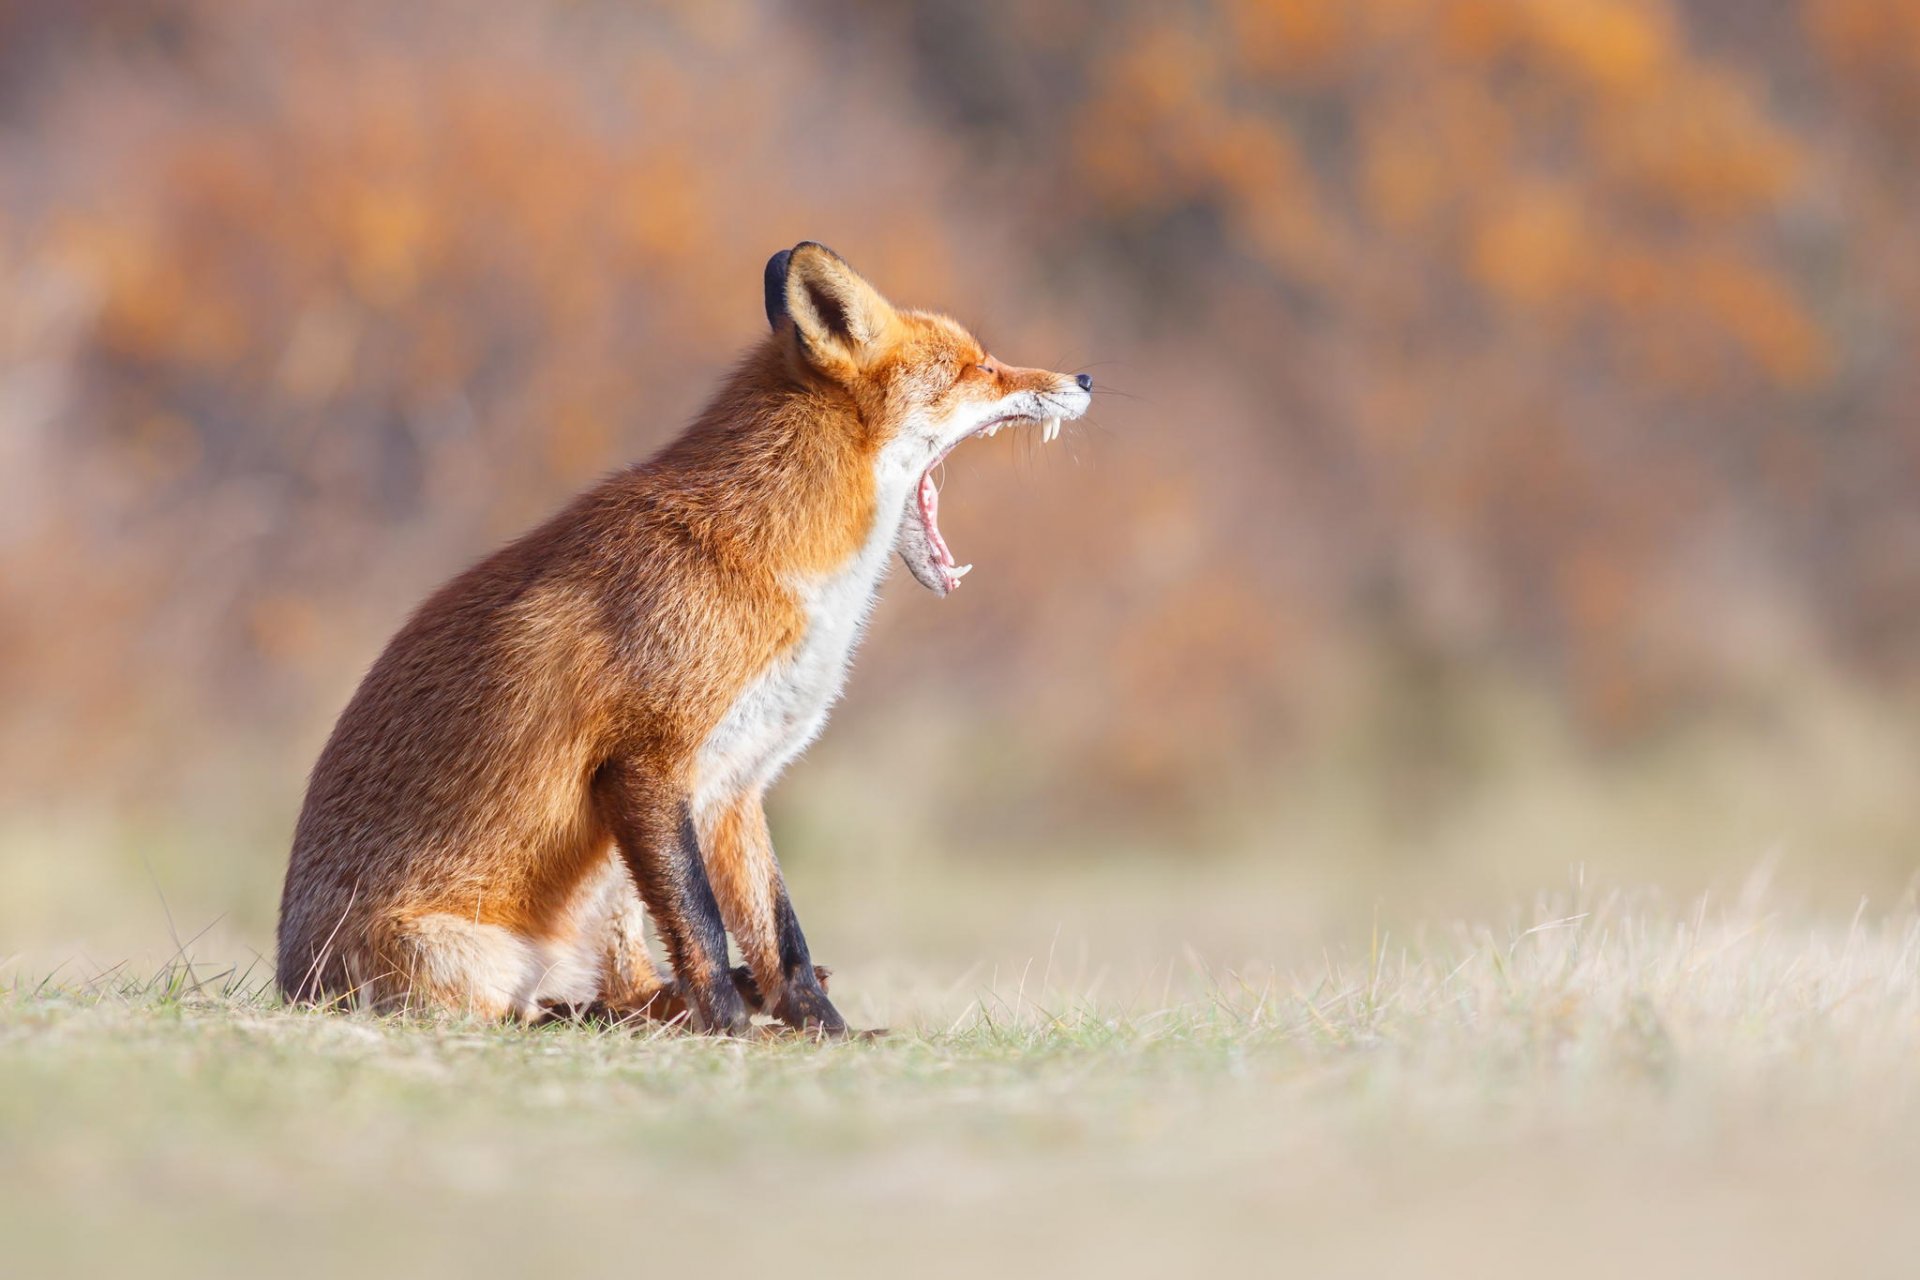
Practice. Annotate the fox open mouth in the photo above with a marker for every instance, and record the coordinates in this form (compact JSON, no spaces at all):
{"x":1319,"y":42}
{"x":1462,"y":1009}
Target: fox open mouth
{"x":926,"y":552}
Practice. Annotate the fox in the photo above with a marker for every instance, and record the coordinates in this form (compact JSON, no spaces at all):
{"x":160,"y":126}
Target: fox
{"x":576,"y":735}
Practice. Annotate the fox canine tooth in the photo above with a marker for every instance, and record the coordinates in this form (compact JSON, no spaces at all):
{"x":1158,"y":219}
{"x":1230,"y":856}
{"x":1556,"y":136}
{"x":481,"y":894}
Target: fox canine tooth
{"x":1052,"y":430}
{"x":961,"y":570}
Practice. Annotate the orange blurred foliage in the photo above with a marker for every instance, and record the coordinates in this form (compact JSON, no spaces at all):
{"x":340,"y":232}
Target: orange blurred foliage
{"x":1535,"y":334}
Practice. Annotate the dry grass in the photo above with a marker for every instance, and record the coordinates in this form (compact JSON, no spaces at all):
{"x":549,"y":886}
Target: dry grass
{"x":1595,"y":1087}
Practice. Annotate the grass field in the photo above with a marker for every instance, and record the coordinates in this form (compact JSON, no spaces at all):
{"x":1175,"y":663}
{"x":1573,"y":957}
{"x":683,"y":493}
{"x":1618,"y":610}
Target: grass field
{"x":1599,"y":1085}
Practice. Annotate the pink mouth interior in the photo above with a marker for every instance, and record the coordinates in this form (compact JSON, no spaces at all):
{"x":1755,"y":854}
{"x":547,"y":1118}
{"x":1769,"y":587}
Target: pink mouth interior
{"x":930,"y":516}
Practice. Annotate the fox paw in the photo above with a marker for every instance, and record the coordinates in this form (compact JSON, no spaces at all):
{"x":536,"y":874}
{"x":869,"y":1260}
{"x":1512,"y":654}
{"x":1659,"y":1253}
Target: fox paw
{"x":750,"y":990}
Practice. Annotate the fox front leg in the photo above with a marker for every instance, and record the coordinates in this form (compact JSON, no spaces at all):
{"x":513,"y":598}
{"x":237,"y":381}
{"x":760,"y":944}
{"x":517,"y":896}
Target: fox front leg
{"x":656,"y":835}
{"x":753,"y":898}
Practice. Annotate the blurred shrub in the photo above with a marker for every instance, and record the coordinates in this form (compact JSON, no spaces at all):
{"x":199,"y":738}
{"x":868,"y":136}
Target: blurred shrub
{"x":1567,"y":342}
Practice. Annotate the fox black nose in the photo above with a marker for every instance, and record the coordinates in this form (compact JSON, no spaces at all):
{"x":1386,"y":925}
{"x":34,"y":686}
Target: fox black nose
{"x":1085,"y":380}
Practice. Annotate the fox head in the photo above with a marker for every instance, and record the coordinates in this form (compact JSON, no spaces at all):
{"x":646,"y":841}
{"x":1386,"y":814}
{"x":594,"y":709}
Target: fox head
{"x":919,"y":382}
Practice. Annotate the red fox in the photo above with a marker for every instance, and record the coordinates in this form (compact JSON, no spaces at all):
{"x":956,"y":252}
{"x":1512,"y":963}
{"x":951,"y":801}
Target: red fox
{"x":585,"y":722}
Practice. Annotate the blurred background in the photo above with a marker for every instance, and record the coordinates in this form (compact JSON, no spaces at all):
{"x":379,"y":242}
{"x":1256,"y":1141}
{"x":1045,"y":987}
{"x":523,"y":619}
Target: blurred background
{"x":1506,"y":467}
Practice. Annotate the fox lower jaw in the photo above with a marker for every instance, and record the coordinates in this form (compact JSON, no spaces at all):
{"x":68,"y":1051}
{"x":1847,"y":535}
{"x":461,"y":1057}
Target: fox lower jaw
{"x":922,"y":560}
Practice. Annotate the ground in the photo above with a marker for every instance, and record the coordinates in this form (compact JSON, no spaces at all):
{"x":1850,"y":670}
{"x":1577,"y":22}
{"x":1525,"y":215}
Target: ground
{"x":1600,"y":1085}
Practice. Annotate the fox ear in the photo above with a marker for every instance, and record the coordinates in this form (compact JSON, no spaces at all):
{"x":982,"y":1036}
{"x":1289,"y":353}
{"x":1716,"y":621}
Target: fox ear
{"x":774,"y":286}
{"x":836,"y":314}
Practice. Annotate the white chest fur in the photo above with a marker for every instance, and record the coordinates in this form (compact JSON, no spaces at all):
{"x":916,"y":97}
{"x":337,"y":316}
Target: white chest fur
{"x":786,"y":706}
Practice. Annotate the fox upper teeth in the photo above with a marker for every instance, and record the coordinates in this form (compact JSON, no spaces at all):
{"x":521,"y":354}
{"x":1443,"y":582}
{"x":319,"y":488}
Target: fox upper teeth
{"x":1049,"y":430}
{"x":961,"y":570}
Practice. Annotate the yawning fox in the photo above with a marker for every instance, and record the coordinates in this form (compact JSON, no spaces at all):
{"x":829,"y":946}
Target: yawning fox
{"x":587,"y":720}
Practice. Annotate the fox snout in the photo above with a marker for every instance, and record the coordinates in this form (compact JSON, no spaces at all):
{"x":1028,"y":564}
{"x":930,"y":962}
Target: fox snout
{"x":1065,"y":403}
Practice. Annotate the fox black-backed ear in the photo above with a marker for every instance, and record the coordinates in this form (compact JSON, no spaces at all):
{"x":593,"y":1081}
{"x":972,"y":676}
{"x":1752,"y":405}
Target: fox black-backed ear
{"x":774,"y":287}
{"x":836,"y":313}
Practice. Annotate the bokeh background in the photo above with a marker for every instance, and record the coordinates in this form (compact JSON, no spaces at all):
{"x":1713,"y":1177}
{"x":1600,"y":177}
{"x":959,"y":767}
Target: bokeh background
{"x":1506,"y":467}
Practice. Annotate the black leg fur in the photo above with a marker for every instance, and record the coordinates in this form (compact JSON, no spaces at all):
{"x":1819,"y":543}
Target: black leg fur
{"x":802,"y":1003}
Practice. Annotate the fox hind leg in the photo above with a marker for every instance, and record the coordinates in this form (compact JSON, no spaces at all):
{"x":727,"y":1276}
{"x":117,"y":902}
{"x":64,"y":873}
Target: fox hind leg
{"x":440,"y":962}
{"x":610,"y":930}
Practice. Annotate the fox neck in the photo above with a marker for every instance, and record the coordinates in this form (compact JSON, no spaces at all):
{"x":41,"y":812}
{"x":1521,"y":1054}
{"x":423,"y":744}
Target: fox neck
{"x":789,"y":481}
